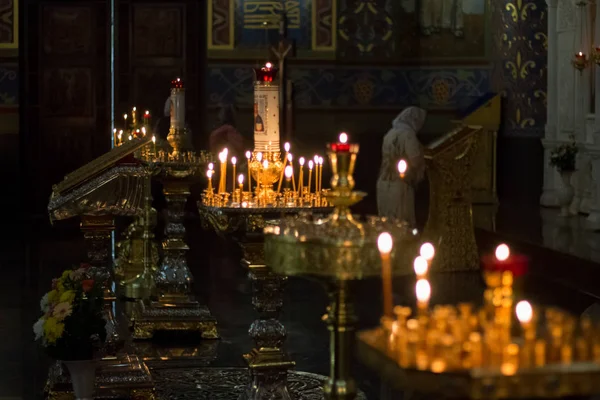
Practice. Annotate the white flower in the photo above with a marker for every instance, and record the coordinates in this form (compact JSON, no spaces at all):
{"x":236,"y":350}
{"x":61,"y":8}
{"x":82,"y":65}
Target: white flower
{"x":38,"y":328}
{"x":77,"y":274}
{"x":62,"y":310}
{"x":44,"y":304}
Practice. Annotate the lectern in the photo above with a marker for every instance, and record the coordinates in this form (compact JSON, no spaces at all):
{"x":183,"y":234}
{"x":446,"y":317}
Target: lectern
{"x":450,"y":224}
{"x":109,"y":186}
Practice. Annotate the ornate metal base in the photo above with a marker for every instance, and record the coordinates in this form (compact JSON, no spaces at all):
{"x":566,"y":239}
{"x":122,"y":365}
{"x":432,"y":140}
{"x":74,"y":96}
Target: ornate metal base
{"x":124,"y":378}
{"x":191,"y":356}
{"x":229,"y":384}
{"x":153,"y":316}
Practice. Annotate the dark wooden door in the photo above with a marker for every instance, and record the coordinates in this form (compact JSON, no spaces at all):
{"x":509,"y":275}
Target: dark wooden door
{"x":66,"y":91}
{"x":157,"y":42}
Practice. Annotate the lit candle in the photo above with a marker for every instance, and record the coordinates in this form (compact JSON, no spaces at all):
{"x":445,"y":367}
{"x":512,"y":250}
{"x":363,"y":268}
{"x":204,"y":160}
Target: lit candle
{"x":154,"y":143}
{"x":423,"y":292}
{"x":320,"y":174}
{"x":301,"y":176}
{"x":125,"y":120}
{"x":120,"y":137}
{"x":290,"y":158}
{"x":503,"y":260}
{"x":421,"y":267}
{"x":342,"y":145}
{"x":241,"y":183}
{"x":289,"y":173}
{"x":134,"y":116}
{"x":259,"y":156}
{"x":223,"y":171}
{"x":147,"y":118}
{"x":427,"y":251}
{"x":130,"y":137}
{"x":209,"y":174}
{"x":385,"y":244}
{"x":233,"y":163}
{"x":286,"y":147}
{"x":310,"y":168}
{"x":115,"y":137}
{"x":248,"y":156}
{"x":524,"y":313}
{"x":402,"y":167}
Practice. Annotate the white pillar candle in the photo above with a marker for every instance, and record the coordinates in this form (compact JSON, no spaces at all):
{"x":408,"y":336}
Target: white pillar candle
{"x":266,"y":110}
{"x":177,"y":104}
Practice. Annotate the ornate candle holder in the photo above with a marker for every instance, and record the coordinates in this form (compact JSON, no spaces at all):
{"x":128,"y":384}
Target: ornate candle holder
{"x":337,"y":250}
{"x":580,"y":61}
{"x":268,"y":362}
{"x":174,"y":307}
{"x":266,"y":169}
{"x":483,"y":352}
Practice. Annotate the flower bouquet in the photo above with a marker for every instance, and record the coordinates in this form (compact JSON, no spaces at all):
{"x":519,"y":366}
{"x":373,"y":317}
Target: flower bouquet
{"x":72,"y":328}
{"x":563,"y":157}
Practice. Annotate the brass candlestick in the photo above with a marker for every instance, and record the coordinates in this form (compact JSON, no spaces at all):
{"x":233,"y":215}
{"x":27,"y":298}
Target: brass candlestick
{"x":339,"y":250}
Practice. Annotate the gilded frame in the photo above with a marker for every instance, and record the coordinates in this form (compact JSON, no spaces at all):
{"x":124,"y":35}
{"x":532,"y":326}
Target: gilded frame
{"x":15,"y":43}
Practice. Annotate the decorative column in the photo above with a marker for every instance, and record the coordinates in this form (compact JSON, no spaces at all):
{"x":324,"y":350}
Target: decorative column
{"x":548,"y":198}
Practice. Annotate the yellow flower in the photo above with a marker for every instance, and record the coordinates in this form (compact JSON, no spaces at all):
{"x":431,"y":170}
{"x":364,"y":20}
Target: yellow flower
{"x":65,"y":274}
{"x":53,"y":296}
{"x":60,"y":286}
{"x":67,"y":297}
{"x":53,"y":330}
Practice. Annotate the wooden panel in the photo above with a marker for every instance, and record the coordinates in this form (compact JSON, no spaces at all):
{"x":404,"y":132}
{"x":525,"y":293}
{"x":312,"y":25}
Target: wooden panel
{"x":157,"y":31}
{"x":66,"y":99}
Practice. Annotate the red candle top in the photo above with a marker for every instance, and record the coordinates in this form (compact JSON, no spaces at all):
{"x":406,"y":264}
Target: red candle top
{"x":340,"y":147}
{"x":266,"y":73}
{"x":504,"y":261}
{"x":177,"y":83}
{"x":147,"y":114}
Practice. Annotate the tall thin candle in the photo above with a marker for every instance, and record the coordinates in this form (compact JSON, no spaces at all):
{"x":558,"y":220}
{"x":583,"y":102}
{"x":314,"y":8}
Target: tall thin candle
{"x":290,"y":158}
{"x":301,"y":176}
{"x":248,"y":155}
{"x":286,"y":147}
{"x":223,"y":171}
{"x":233,"y":163}
{"x":209,"y":174}
{"x":385,"y":244}
{"x":310,"y":169}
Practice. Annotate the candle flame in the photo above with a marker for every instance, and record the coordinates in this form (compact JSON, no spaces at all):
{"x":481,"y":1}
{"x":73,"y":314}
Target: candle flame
{"x":268,"y":65}
{"x":524,"y":312}
{"x":134,"y":109}
{"x":265,"y":164}
{"x":310,"y":164}
{"x":286,"y":147}
{"x":115,"y":130}
{"x":209,"y":173}
{"x":423,"y":290}
{"x":147,"y":112}
{"x":241,"y":179}
{"x":316,"y":159}
{"x":226,"y":151}
{"x":245,"y":204}
{"x":211,"y":166}
{"x":343,"y":137}
{"x":233,"y":160}
{"x":223,"y":157}
{"x":502,"y":252}
{"x":420,"y":266}
{"x":144,"y":130}
{"x":259,"y":156}
{"x":290,"y":157}
{"x":301,"y":161}
{"x":402,"y":166}
{"x":248,"y":155}
{"x":289,"y":171}
{"x":320,"y":160}
{"x":153,"y":139}
{"x":130,"y":137}
{"x":124,"y":116}
{"x":427,"y":251}
{"x":385,"y":243}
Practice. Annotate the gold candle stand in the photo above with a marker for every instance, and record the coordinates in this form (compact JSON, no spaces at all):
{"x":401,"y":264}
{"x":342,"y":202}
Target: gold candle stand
{"x":268,"y":362}
{"x":174,"y":307}
{"x":338,"y":251}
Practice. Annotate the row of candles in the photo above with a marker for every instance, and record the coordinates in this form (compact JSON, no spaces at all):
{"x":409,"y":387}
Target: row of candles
{"x":133,"y":130}
{"x":287,"y":171}
{"x":450,"y":338}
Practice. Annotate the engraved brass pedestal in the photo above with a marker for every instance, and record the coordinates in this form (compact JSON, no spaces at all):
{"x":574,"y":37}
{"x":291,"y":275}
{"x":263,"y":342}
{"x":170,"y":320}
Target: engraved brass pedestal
{"x":175,"y":308}
{"x":450,"y":223}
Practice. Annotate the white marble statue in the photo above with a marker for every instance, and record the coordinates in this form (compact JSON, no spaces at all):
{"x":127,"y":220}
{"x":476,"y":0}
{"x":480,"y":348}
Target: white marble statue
{"x":396,"y":196}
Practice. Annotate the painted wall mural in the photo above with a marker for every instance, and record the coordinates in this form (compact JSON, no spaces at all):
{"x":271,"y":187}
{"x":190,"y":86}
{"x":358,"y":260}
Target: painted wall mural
{"x":520,"y":61}
{"x":9,"y":85}
{"x":9,"y":26}
{"x":443,"y":29}
{"x":254,"y":24}
{"x":366,"y":29}
{"x":433,"y":88}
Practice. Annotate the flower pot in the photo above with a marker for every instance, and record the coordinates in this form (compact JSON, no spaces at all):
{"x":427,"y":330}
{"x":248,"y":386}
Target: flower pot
{"x":565,"y":193}
{"x":83,"y":378}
